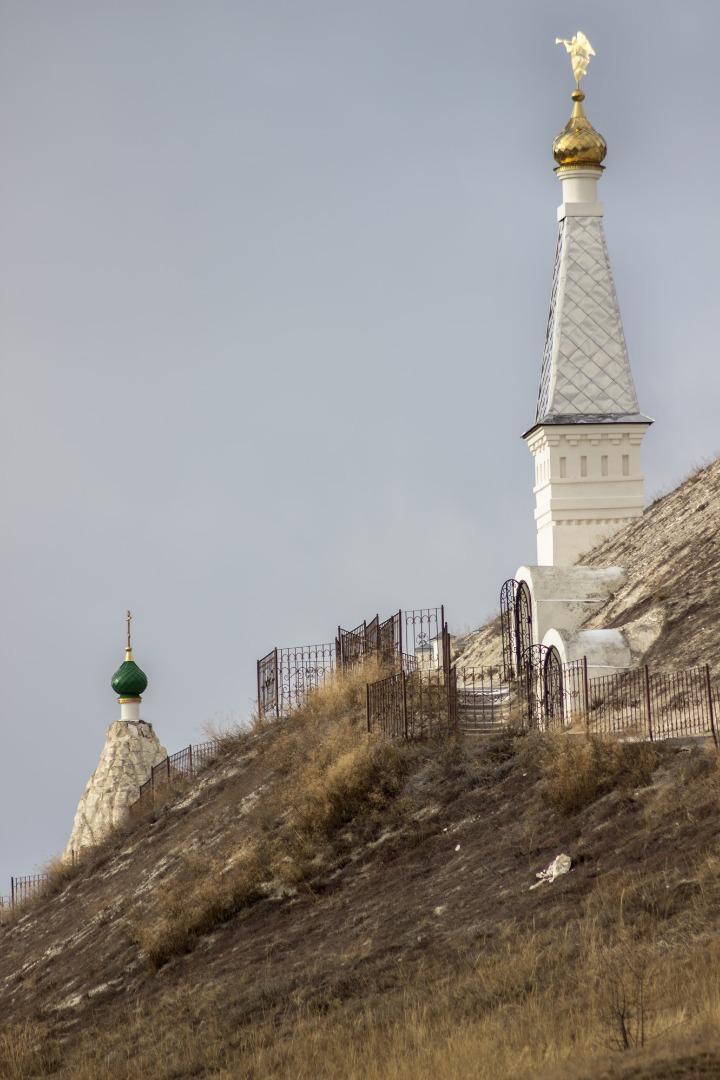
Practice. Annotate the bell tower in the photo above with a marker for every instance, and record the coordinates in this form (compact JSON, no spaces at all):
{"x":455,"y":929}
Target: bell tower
{"x":588,"y":426}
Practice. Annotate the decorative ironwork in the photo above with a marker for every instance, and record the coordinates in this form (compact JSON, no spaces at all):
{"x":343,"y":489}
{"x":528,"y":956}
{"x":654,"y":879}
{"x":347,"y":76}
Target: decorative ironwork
{"x":553,"y":689}
{"x":301,"y":669}
{"x":267,"y":685}
{"x":424,"y":636}
{"x":516,"y":626}
{"x":507,"y":627}
{"x":354,"y":645}
{"x":523,"y":623}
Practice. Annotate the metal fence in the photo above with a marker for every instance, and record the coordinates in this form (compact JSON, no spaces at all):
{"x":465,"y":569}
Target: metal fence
{"x":183,"y":765}
{"x":547,"y":696}
{"x":285,"y":676}
{"x":653,"y":704}
{"x":27,"y":887}
{"x":411,"y":705}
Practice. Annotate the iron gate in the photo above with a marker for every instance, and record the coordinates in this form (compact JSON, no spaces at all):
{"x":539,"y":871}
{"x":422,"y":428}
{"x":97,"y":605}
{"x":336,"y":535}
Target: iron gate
{"x":516,"y":626}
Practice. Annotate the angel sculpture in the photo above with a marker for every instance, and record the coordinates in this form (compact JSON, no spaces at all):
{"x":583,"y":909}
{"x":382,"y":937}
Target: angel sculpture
{"x":580,"y":51}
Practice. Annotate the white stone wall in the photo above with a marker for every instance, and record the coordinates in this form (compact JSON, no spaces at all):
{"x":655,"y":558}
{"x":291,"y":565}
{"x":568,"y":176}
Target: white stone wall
{"x":588,"y":484}
{"x":130,"y":751}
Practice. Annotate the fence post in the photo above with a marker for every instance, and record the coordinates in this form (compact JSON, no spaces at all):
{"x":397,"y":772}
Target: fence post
{"x":259,"y":697}
{"x":167,"y":763}
{"x":586,"y":693}
{"x":190,"y":762}
{"x":708,"y":687}
{"x":404,"y":702}
{"x":277,"y":685}
{"x":648,"y":702}
{"x":367,"y":706}
{"x":12,"y":892}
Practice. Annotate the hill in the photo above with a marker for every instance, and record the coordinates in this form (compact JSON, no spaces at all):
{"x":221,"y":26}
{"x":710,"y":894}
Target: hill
{"x":670,"y":603}
{"x":323,"y":904}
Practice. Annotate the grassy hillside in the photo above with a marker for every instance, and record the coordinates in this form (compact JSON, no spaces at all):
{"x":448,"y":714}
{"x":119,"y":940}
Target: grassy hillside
{"x":321,"y":904}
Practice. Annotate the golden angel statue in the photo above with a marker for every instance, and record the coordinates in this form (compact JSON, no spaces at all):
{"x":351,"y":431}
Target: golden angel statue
{"x":580,"y":51}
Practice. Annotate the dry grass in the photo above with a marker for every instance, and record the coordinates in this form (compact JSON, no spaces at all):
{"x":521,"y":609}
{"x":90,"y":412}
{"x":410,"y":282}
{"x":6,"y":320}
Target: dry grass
{"x":580,"y":769}
{"x":536,"y":1005}
{"x":328,"y":772}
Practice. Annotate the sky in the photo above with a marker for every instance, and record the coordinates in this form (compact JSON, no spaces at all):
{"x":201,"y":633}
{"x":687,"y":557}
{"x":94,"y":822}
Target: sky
{"x":274,"y":279}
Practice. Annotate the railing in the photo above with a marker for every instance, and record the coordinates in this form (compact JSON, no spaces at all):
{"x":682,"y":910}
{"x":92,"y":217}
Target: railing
{"x":26,"y":888}
{"x":286,"y":676}
{"x":183,"y":765}
{"x":414,"y":705}
{"x":636,"y":704}
{"x":653,"y":705}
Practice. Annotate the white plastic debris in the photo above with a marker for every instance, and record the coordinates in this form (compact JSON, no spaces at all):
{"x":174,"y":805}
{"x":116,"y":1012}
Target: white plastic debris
{"x":560,"y":865}
{"x":457,"y":847}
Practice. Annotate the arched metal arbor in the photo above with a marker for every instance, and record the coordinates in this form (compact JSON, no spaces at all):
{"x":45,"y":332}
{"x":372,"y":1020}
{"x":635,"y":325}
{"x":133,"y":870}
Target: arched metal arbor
{"x":516,"y":623}
{"x":543,"y":686}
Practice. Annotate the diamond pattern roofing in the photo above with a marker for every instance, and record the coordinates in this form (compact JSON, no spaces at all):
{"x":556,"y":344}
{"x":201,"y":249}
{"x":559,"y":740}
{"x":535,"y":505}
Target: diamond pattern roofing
{"x":586,"y":373}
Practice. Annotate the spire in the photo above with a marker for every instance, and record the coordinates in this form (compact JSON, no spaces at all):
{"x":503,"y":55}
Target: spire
{"x":588,"y":426}
{"x":586,"y":376}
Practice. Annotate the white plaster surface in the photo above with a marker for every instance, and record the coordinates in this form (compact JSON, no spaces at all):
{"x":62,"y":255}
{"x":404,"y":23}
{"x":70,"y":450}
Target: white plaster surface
{"x":588,"y":484}
{"x":130,"y":751}
{"x":563,"y":597}
{"x":607,"y":651}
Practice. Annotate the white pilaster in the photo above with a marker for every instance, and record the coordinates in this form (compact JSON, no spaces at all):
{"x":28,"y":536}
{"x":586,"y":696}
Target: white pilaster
{"x":588,"y":484}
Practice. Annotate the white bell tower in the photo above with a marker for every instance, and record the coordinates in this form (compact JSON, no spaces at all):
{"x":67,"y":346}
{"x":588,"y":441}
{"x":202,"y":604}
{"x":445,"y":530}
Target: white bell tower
{"x":588,"y":426}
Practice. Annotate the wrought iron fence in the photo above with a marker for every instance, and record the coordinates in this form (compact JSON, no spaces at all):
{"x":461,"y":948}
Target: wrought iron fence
{"x":27,"y":887}
{"x":412,"y":705}
{"x":548,"y":695}
{"x":183,"y":765}
{"x":653,"y":704}
{"x":370,"y":638}
{"x":285,"y":676}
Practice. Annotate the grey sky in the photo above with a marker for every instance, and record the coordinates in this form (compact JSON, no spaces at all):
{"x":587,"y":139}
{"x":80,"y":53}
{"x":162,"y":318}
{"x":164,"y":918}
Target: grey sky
{"x":273,"y":288}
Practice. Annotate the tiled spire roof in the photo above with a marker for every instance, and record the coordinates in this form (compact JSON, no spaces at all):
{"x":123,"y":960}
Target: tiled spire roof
{"x":586,"y":375}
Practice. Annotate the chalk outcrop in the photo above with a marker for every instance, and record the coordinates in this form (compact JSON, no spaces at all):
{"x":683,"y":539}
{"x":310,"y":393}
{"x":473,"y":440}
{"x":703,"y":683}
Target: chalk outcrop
{"x":131,"y":749}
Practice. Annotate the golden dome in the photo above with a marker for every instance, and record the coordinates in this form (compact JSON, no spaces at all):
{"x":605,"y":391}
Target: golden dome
{"x":579,"y":143}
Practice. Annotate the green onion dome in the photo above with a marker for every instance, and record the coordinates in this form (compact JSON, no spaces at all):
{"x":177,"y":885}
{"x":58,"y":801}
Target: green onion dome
{"x":129,"y":680}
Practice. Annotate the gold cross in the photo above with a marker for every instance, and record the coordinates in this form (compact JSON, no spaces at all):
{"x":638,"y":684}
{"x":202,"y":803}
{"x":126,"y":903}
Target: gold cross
{"x":129,"y":620}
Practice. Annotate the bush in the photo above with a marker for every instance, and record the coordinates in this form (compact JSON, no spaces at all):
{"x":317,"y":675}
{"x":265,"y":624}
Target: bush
{"x":580,"y":769}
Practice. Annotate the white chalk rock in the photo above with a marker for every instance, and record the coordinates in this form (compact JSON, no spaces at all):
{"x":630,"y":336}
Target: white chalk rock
{"x":130,"y":751}
{"x":560,"y":865}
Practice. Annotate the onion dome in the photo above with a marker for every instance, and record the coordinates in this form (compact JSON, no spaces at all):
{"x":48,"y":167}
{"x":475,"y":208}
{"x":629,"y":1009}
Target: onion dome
{"x":129,"y":681}
{"x":579,"y":144}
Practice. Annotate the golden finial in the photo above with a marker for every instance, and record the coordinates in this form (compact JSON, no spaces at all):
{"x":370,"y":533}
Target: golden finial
{"x":580,"y":50}
{"x":128,"y":650}
{"x":579,"y":145}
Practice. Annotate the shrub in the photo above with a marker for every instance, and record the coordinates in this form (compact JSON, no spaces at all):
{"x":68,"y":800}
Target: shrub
{"x":580,"y":769}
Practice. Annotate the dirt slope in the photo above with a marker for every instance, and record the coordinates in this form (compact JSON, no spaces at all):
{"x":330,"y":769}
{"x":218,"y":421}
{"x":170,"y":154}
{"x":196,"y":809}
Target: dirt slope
{"x":671,"y":602}
{"x":417,"y":905}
